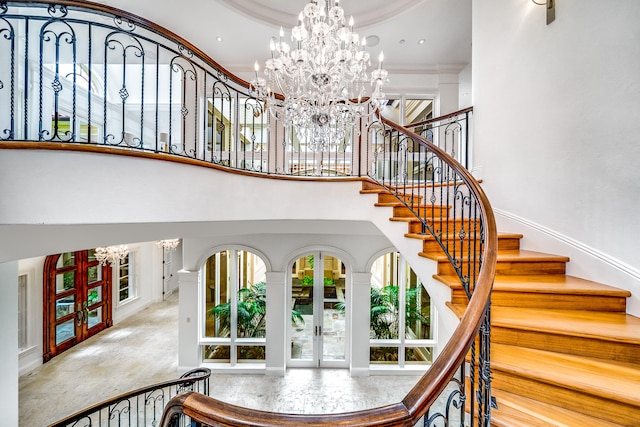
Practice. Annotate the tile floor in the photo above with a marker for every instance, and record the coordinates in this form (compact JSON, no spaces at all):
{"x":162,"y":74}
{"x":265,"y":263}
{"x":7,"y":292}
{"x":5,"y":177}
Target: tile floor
{"x":143,"y":350}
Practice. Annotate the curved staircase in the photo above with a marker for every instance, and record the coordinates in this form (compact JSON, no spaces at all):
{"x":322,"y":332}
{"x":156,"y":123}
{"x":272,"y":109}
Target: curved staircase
{"x":563,"y":350}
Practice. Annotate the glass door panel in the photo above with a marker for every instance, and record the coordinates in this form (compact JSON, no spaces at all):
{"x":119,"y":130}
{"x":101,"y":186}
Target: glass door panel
{"x":65,"y":331}
{"x":318,"y":293}
{"x":65,"y":281}
{"x":302,"y":297}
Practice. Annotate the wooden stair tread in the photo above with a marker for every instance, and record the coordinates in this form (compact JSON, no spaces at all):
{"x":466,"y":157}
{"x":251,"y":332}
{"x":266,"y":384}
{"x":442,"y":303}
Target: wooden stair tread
{"x":614,"y":381}
{"x":616,"y":327}
{"x":543,"y":283}
{"x":518,"y":411}
{"x":510,"y":256}
{"x":427,"y":236}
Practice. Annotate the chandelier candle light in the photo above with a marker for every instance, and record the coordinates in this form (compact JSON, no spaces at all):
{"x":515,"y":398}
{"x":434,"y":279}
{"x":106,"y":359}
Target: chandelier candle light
{"x":169,"y":244}
{"x":322,"y":77}
{"x":111,"y":254}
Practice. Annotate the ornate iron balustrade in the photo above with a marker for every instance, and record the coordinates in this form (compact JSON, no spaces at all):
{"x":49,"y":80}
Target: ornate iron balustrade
{"x":141,"y":407}
{"x":82,"y":73}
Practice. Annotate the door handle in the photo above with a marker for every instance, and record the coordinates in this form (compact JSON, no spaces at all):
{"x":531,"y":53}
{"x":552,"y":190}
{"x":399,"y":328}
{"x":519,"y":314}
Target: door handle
{"x":79,"y":314}
{"x":82,"y":313}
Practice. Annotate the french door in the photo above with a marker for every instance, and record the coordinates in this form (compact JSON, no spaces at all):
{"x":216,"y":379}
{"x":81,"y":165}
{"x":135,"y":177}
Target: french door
{"x":318,"y":331}
{"x":77,"y":300}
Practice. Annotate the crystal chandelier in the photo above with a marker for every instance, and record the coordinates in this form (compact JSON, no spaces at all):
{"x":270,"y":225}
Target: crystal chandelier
{"x":111,"y":254}
{"x":169,"y":244}
{"x":322,"y":76}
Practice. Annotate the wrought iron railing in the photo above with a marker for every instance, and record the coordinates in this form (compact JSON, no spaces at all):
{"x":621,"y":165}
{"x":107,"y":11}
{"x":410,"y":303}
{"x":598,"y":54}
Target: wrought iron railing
{"x":142,"y":407}
{"x":82,"y":73}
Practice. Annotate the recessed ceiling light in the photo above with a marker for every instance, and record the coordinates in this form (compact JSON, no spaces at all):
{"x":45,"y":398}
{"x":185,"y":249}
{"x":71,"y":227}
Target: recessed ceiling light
{"x":372,"y":41}
{"x":421,"y":41}
{"x":219,"y":38}
{"x":402,"y":41}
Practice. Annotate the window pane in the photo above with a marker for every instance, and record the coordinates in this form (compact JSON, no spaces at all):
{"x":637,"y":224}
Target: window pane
{"x":418,"y":355}
{"x":66,"y":259}
{"x":216,"y":353}
{"x":65,"y":331}
{"x":418,"y":308}
{"x":94,"y":295}
{"x":94,"y":274}
{"x":383,"y":355}
{"x":95,"y":317}
{"x":124,"y":294}
{"x":64,"y":306}
{"x":384,"y":312}
{"x":65,"y":281}
{"x":251,"y":354}
{"x":417,"y":110}
{"x":218,"y":295}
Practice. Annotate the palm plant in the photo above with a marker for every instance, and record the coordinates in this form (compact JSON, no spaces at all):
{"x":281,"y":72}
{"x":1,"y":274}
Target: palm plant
{"x":385,"y":311}
{"x":251,"y":313}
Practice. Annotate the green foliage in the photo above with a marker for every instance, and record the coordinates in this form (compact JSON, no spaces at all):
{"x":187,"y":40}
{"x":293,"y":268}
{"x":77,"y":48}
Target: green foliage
{"x":384,"y":313}
{"x":307,"y":281}
{"x":251,"y":322}
{"x":329,"y":282}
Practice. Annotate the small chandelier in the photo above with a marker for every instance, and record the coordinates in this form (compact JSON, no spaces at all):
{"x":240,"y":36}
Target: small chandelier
{"x":169,"y":244}
{"x":111,"y":254}
{"x":322,"y":77}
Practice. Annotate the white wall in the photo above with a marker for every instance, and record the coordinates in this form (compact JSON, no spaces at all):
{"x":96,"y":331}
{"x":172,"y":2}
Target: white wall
{"x":31,"y":357}
{"x":556,"y":116}
{"x":9,"y":340}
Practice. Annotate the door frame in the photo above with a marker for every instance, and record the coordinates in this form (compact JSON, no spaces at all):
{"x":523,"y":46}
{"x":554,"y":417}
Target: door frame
{"x":318,"y":312}
{"x":80,"y":310}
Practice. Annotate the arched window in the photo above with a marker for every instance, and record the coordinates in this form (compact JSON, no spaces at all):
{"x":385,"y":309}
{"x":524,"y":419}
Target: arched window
{"x":234,"y":318}
{"x":401,"y":317}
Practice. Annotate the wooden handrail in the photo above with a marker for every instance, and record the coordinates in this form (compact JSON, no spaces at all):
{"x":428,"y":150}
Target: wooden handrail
{"x":437,"y":119}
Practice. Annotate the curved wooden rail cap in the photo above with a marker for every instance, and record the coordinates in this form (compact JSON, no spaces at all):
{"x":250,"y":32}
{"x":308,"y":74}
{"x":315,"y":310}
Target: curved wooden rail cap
{"x":214,"y":412}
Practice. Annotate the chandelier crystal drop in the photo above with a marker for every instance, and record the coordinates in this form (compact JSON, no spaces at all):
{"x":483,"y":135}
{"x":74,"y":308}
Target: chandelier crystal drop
{"x":169,"y":244}
{"x":111,"y":254}
{"x":322,"y":76}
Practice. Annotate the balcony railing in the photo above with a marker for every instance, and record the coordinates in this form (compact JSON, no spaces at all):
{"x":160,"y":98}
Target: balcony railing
{"x":80,"y":75}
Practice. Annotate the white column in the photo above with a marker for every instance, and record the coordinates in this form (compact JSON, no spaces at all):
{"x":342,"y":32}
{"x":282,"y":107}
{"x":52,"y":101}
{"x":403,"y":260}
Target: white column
{"x":360,"y":307}
{"x":189,"y":351}
{"x":278,"y":320}
{"x":449,"y":93}
{"x":9,"y":340}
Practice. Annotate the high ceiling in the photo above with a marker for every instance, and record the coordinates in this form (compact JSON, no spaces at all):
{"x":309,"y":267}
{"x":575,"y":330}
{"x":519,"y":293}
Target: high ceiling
{"x":245,"y":27}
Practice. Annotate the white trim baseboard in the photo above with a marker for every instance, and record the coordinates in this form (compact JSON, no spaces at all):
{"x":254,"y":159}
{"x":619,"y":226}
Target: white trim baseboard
{"x":609,"y":260}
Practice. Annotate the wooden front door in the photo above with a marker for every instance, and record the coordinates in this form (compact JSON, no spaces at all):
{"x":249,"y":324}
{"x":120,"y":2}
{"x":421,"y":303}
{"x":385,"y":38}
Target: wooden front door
{"x":77,"y":300}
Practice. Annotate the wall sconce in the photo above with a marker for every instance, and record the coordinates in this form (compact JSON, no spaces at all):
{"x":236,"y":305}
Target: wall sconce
{"x":551,"y":9}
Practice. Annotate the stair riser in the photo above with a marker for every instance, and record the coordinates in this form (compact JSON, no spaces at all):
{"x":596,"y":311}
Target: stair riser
{"x":593,"y":347}
{"x":504,"y":244}
{"x":405,"y":212}
{"x":390,"y":198}
{"x":551,"y":301}
{"x":444,"y":226}
{"x":515,"y":267}
{"x":576,"y":400}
